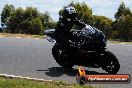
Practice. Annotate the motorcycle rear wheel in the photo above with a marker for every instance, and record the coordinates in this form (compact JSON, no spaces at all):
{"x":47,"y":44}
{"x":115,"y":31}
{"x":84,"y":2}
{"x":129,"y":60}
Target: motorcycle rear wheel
{"x":61,"y":57}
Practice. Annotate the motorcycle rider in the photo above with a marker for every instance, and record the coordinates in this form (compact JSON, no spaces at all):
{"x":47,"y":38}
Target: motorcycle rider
{"x":66,"y":21}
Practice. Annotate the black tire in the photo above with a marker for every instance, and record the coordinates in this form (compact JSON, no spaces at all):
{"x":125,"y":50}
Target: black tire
{"x":110,"y":63}
{"x":61,"y":57}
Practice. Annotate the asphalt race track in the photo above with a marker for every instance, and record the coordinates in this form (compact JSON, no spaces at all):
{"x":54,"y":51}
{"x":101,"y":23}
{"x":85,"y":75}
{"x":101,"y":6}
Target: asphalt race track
{"x":33,"y":58}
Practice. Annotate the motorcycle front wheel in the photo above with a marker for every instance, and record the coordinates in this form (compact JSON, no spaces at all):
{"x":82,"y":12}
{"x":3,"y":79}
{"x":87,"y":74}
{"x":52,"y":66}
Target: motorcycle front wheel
{"x":110,"y":63}
{"x":60,"y":57}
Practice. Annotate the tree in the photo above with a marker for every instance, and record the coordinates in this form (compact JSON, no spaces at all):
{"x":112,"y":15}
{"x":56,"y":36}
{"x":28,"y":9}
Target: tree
{"x":12,"y":24}
{"x":35,"y":26}
{"x":18,"y":19}
{"x":122,"y":26}
{"x":7,"y":11}
{"x":46,"y":19}
{"x":29,"y":20}
{"x":122,"y":11}
{"x":14,"y":21}
{"x":104,"y":24}
{"x":31,"y":12}
{"x":88,"y":18}
{"x":84,"y":12}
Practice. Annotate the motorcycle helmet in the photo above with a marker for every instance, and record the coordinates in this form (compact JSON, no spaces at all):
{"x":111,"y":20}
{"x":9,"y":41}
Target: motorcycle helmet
{"x":69,"y":12}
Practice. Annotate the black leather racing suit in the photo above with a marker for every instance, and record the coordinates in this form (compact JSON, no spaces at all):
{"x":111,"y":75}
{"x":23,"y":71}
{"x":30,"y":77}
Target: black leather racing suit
{"x":62,"y":32}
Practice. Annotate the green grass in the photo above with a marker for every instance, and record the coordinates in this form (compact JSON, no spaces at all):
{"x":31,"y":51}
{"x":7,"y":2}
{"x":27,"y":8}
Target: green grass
{"x":25,"y":83}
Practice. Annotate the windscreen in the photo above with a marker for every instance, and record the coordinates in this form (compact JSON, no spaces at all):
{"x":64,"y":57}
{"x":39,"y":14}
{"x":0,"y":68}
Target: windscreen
{"x":88,"y":31}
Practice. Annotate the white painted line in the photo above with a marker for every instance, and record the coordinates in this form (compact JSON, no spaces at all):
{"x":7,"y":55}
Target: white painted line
{"x":18,"y":37}
{"x":28,"y":37}
{"x":123,"y":43}
{"x":37,"y":38}
{"x":21,"y":77}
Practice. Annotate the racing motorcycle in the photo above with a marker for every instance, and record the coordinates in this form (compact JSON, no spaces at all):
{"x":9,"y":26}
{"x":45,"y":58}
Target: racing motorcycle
{"x":90,"y":50}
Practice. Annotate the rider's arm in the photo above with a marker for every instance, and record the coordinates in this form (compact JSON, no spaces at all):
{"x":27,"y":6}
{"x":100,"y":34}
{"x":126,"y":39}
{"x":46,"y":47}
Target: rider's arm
{"x":78,"y":22}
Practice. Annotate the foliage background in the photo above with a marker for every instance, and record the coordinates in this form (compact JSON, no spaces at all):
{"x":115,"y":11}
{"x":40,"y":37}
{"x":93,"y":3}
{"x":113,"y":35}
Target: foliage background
{"x":31,"y":21}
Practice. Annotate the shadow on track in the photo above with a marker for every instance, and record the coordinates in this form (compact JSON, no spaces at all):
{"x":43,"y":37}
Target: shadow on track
{"x":59,"y":71}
